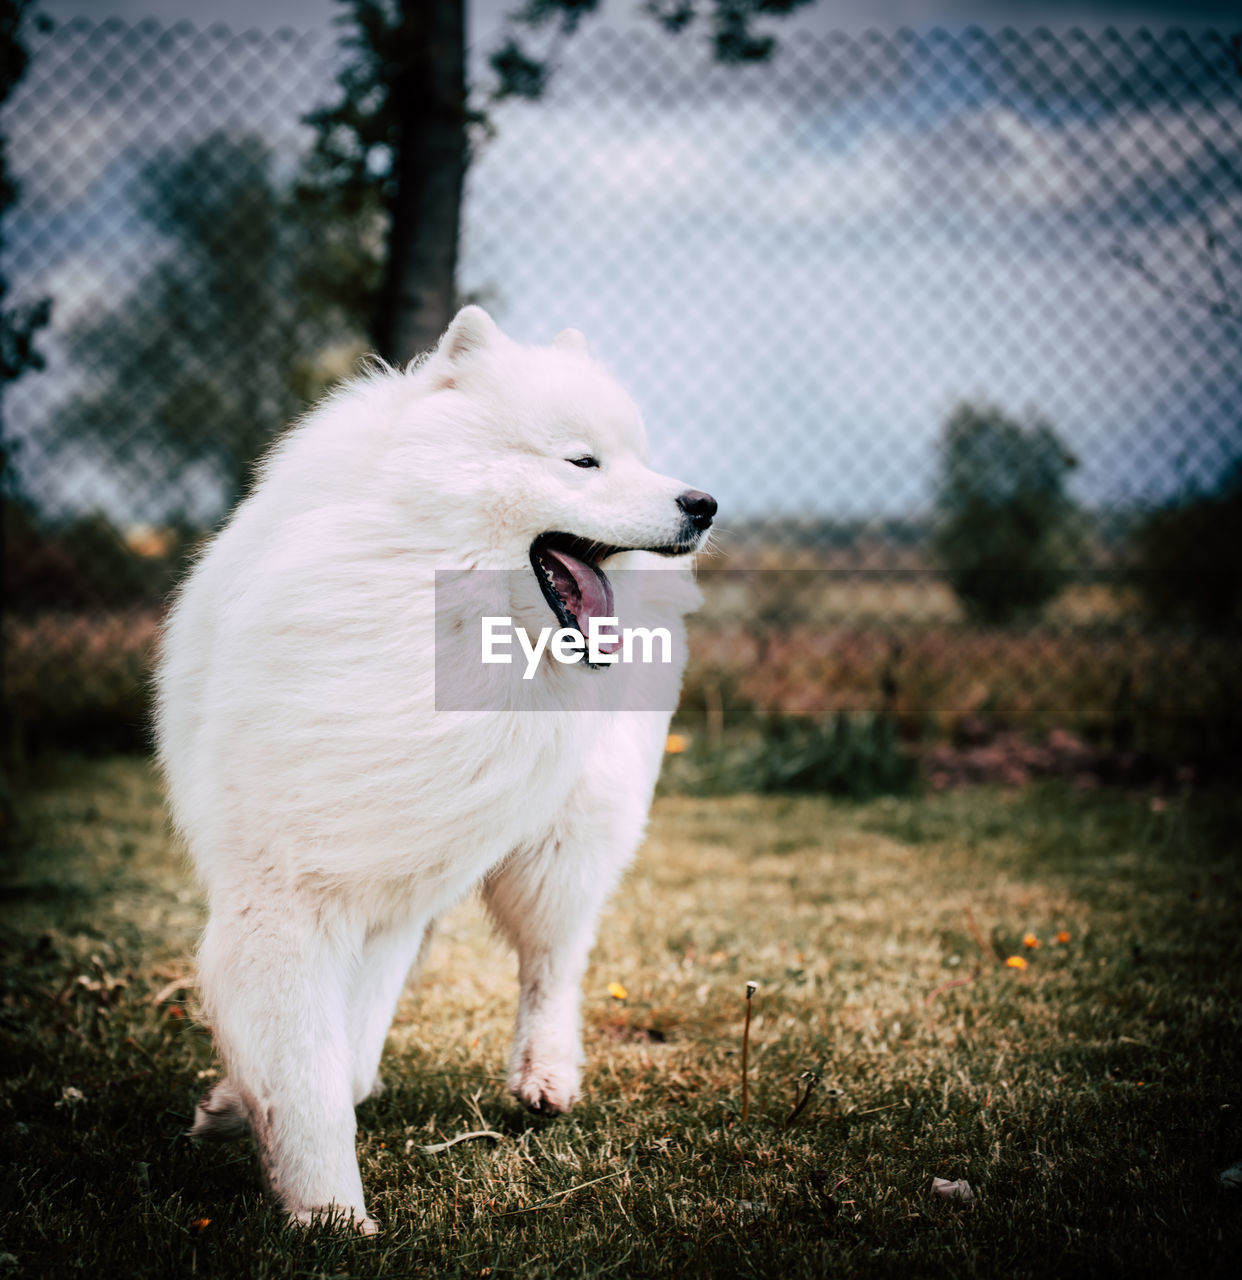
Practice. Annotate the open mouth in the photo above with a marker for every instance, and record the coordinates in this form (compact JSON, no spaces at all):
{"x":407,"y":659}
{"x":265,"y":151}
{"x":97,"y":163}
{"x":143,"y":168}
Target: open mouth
{"x":573,"y":584}
{"x":568,"y":569}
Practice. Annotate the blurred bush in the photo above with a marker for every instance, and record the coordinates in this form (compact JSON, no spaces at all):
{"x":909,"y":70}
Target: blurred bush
{"x":85,"y":563}
{"x":857,"y":755}
{"x":78,"y":680}
{"x":1189,"y":569}
{"x":1116,"y":690}
{"x":82,"y":603}
{"x":1005,"y":534}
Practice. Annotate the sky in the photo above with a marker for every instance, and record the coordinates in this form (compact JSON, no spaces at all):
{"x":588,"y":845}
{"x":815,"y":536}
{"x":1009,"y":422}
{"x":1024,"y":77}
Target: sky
{"x":799,"y":281}
{"x":486,"y":17}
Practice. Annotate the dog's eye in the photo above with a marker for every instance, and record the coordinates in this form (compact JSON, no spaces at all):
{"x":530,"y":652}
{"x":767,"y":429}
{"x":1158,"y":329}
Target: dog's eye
{"x":585,"y":461}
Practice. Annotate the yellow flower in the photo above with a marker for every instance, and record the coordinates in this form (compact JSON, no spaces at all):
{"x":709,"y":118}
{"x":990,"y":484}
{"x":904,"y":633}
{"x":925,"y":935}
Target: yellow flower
{"x":1016,"y":962}
{"x":617,"y":991}
{"x":1030,"y":940}
{"x":675,"y":744}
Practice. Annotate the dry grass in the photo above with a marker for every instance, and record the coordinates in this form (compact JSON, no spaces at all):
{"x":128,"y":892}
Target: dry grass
{"x":1091,"y":1099}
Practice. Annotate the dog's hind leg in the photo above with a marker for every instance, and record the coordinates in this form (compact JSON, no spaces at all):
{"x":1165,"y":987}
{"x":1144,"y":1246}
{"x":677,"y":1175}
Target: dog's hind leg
{"x":389,"y":960}
{"x":546,"y":901}
{"x":220,"y":1114}
{"x":276,"y":981}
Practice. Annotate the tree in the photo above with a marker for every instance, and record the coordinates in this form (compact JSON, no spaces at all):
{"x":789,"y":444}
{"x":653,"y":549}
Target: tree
{"x":390,"y":157}
{"x":213,"y":352}
{"x":18,"y":325}
{"x":1004,"y":532}
{"x":1219,"y":253}
{"x":396,"y":143}
{"x":1188,"y":556}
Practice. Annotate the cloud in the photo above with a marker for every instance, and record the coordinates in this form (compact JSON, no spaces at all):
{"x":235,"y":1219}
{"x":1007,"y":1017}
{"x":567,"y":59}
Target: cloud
{"x":800,"y":268}
{"x":800,"y":293}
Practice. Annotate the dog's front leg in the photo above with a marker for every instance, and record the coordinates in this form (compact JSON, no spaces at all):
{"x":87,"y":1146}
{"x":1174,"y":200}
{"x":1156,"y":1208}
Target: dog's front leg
{"x":546,"y":900}
{"x":549,"y":917}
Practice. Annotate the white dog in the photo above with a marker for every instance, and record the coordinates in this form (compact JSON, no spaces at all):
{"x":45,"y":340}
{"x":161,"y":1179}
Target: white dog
{"x":331,"y":809}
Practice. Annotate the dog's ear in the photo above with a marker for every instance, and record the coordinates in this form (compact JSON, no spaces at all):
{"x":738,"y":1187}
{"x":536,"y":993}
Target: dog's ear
{"x":472,"y":331}
{"x":571,"y":340}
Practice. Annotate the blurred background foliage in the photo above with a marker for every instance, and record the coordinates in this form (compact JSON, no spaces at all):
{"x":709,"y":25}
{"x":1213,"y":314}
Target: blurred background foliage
{"x":239,"y":227}
{"x":1005,"y":533}
{"x":167,"y":359}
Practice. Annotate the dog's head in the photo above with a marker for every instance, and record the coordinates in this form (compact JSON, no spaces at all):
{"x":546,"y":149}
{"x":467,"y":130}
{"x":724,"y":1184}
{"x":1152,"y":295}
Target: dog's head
{"x":544,"y":458}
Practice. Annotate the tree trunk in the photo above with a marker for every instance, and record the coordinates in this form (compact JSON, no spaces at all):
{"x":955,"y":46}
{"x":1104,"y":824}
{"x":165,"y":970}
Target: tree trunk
{"x":419,"y":294}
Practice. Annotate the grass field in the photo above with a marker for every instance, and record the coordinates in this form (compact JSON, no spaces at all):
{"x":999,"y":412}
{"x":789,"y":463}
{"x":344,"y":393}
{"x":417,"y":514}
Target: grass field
{"x":1091,"y":1099}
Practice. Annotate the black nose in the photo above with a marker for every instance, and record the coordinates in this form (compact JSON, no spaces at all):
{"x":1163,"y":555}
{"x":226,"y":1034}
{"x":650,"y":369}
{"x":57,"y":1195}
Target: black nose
{"x":699,"y":507}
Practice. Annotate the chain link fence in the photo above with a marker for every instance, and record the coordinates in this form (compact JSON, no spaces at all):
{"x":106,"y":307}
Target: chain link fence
{"x":950,"y":324}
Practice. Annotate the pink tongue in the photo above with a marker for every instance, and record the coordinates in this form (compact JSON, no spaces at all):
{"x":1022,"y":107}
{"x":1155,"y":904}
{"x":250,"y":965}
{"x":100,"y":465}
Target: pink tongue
{"x":594,"y":596}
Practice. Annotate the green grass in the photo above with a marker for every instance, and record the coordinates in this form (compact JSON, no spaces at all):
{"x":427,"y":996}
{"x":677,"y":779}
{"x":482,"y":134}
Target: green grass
{"x":1091,"y":1099}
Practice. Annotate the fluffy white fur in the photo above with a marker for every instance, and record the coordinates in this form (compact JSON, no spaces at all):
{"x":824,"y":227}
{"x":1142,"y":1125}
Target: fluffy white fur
{"x":332,"y":813}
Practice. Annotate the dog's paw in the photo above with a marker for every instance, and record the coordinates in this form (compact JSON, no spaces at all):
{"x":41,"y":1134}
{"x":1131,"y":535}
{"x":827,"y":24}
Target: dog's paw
{"x":356,"y":1221}
{"x":546,"y":1086}
{"x":220,"y":1115}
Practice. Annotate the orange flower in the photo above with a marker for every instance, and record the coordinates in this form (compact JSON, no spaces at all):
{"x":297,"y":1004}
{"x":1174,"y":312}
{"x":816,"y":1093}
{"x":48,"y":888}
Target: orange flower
{"x":1063,"y":936}
{"x":201,"y":1224}
{"x":1030,"y":940}
{"x":1016,"y":962}
{"x":675,"y":744}
{"x":617,"y":991}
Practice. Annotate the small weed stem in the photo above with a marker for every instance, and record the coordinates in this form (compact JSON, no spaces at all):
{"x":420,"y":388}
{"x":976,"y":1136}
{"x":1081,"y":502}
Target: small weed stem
{"x":751,"y":988}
